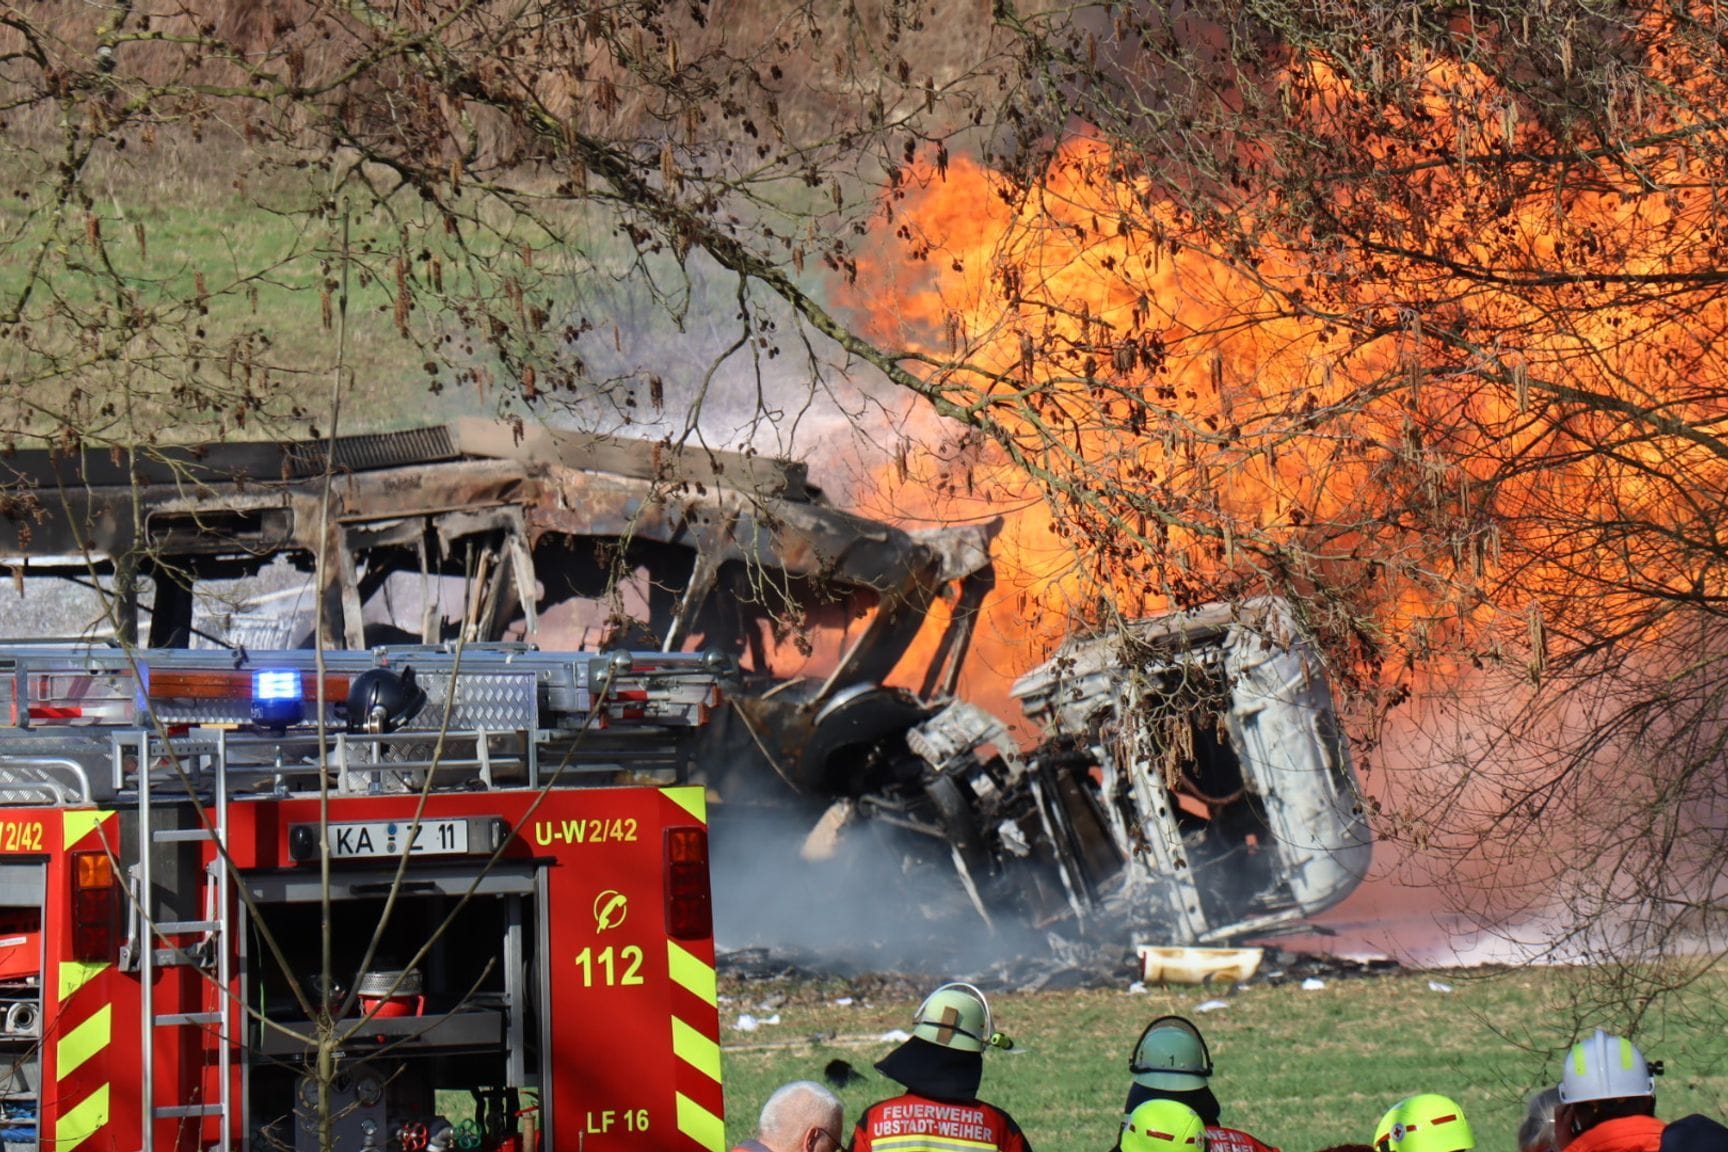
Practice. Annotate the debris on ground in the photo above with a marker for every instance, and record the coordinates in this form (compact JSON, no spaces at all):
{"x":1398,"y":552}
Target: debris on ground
{"x":798,"y":976}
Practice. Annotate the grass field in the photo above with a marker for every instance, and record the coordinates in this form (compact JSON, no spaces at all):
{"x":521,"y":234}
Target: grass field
{"x":1300,"y":1069}
{"x":232,"y":269}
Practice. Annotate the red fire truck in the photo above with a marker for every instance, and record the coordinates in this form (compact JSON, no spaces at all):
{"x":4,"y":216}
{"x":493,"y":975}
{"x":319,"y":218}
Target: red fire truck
{"x":411,"y":899}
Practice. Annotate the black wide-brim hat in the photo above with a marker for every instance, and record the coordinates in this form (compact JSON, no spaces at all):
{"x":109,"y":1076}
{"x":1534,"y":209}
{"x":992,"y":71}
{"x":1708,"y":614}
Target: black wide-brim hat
{"x":933,"y":1070}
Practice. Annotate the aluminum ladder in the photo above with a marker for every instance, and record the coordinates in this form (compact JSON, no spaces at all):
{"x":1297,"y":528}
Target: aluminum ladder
{"x":216,"y":959}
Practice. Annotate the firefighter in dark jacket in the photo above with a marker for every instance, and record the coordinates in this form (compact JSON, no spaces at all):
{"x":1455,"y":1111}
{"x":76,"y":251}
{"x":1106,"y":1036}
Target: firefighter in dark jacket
{"x":940,"y":1067}
{"x":1171,"y":1062}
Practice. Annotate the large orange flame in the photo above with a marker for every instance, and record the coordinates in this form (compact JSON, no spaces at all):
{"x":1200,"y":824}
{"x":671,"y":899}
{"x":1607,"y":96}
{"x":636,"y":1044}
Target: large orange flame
{"x":1476,"y":456}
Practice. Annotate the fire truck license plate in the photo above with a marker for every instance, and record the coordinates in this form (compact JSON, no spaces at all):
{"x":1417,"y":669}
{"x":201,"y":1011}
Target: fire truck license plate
{"x":390,"y":837}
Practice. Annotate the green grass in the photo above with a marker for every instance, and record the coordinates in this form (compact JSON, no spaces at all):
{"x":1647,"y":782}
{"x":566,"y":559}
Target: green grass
{"x":186,"y":289}
{"x":193,"y":284}
{"x":1302,"y":1070}
{"x":231,"y":275}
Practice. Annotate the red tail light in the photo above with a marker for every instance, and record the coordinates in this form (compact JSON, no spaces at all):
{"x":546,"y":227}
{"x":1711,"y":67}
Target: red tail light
{"x":689,"y":905}
{"x":95,"y":907}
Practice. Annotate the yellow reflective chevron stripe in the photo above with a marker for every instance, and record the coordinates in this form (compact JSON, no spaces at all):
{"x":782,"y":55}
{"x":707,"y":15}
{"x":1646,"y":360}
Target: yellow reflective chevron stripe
{"x":699,"y":1051}
{"x":692,"y":800}
{"x":701,"y":1125}
{"x":78,"y":1123}
{"x":77,"y":823}
{"x":83,"y":1020}
{"x":698,"y":1048}
{"x":74,"y":975}
{"x":83,"y":1041}
{"x":695,"y":975}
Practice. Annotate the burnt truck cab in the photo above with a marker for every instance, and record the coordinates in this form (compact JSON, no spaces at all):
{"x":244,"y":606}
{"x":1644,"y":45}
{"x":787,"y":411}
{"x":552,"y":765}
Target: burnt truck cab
{"x":1207,"y":740}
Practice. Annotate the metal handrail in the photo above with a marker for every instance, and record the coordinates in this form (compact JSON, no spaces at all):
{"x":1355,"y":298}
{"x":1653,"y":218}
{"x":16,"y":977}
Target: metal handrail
{"x":55,"y":791}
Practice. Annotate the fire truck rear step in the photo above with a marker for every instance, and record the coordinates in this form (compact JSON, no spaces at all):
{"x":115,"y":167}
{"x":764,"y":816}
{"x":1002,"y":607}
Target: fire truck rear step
{"x":171,"y":1018}
{"x":176,"y":927}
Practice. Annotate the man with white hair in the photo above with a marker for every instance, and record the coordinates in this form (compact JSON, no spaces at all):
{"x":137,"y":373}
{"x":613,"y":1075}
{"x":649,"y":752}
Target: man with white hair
{"x":802,"y":1116}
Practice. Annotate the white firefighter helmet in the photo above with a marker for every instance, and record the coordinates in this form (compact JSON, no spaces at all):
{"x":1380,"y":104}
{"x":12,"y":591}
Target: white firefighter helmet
{"x":1604,"y":1067}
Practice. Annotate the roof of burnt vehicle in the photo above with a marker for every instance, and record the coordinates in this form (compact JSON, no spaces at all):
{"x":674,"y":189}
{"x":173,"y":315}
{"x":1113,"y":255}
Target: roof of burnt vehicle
{"x":265,"y":461}
{"x":1199,"y":629}
{"x":66,"y":509}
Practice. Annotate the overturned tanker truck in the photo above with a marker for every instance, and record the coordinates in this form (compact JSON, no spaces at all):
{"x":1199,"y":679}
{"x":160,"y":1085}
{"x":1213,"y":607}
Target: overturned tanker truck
{"x":1186,"y":781}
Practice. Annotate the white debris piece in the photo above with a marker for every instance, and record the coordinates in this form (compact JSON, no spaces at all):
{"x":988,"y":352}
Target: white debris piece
{"x":749,"y":1023}
{"x":1436,"y":986}
{"x":843,"y":1002}
{"x":1211,"y":1006}
{"x":1313,"y":984}
{"x":1137,"y":988}
{"x":894,"y":1036}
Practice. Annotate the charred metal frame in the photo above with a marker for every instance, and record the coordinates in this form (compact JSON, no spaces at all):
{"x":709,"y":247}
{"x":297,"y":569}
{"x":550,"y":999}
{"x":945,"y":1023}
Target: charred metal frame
{"x":179,"y":512}
{"x":1103,"y":813}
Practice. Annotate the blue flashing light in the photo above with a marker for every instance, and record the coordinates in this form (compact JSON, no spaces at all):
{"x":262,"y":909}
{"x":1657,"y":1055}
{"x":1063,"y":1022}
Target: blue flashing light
{"x":278,"y":698}
{"x":277,"y":685}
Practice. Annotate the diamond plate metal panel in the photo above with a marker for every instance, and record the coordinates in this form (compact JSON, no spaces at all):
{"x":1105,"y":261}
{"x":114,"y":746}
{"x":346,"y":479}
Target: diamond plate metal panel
{"x":42,"y":783}
{"x":496,"y":701}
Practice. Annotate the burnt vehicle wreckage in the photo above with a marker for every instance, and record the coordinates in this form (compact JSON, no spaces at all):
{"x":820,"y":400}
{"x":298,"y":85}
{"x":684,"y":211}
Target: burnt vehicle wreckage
{"x":1188,"y":783}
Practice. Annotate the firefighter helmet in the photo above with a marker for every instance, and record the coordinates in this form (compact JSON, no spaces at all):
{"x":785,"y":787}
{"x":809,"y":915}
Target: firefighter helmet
{"x":1163,"y":1126}
{"x":381,"y":700}
{"x":1425,"y":1123}
{"x":1605,"y":1067}
{"x":1171,"y":1054}
{"x":956,"y":1016}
